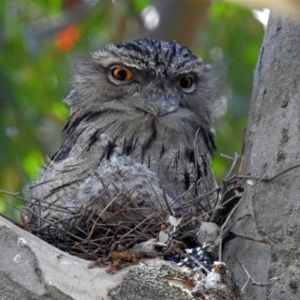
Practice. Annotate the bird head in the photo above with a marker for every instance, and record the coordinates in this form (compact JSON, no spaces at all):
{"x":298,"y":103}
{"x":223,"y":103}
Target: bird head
{"x":152,"y":76}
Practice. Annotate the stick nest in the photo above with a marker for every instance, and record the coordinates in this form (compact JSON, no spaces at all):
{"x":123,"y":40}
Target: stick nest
{"x":120,"y":226}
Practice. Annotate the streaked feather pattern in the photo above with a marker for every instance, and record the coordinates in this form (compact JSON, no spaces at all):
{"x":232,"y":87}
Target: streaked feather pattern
{"x":110,"y":120}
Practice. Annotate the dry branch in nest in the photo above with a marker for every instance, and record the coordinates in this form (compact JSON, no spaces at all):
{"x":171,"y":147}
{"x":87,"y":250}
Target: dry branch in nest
{"x":120,"y":226}
{"x":119,"y":221}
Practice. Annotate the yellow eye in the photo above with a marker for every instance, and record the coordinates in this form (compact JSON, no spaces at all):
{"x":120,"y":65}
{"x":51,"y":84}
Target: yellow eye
{"x":121,"y":74}
{"x":185,"y":82}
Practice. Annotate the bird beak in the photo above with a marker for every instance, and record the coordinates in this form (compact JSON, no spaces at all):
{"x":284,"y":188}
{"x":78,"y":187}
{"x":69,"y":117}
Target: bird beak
{"x":156,"y":104}
{"x":161,"y":105}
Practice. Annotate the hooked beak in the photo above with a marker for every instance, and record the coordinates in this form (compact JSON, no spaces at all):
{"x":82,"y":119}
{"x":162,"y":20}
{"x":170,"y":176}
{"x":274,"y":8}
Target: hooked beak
{"x":156,"y":104}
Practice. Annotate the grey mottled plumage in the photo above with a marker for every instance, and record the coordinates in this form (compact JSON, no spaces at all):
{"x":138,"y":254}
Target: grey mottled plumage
{"x":137,"y":108}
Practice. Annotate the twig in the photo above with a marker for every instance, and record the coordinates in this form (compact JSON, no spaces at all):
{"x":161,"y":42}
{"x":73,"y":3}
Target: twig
{"x":15,"y":195}
{"x":250,"y":278}
{"x":229,"y":226}
{"x":186,"y":192}
{"x":195,"y":153}
{"x":100,"y":215}
{"x":235,"y":160}
{"x":265,"y":178}
{"x":241,"y":167}
{"x":150,"y":216}
{"x":224,"y":225}
{"x":200,"y":198}
{"x":227,"y":156}
{"x":24,"y":222}
{"x":167,"y":202}
{"x":252,"y":238}
{"x":281,"y":173}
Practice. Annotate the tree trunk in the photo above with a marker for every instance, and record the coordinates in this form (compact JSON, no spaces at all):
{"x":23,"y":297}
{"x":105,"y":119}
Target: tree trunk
{"x":272,"y":146}
{"x":179,"y":20}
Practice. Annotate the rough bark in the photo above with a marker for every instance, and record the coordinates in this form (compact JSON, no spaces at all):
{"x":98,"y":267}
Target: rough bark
{"x":32,"y":269}
{"x":272,"y":146}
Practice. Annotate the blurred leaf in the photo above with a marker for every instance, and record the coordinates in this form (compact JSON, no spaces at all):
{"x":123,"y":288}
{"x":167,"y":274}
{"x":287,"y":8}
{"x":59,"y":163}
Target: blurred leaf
{"x":237,"y":36}
{"x":67,"y":38}
{"x":288,"y":7}
{"x":32,"y":162}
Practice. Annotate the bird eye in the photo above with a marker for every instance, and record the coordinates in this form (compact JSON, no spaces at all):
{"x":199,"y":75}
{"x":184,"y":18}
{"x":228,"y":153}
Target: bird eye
{"x":185,"y":82}
{"x":121,"y":74}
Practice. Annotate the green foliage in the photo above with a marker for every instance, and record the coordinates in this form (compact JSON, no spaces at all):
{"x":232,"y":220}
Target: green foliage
{"x":34,"y":74}
{"x":238,"y":35}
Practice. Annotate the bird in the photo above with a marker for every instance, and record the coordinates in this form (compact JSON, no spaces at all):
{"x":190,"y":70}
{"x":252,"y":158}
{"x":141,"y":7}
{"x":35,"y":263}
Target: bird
{"x":141,"y":121}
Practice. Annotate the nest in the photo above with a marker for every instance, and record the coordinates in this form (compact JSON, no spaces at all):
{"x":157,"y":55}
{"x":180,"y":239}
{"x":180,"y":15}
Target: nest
{"x":121,"y":225}
{"x":87,"y":235}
